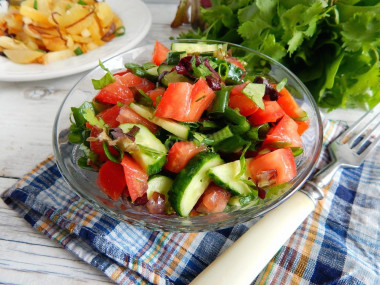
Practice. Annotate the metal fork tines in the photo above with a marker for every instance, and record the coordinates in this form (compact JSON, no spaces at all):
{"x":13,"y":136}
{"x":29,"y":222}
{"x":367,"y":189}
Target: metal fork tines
{"x":349,"y":150}
{"x":352,"y":146}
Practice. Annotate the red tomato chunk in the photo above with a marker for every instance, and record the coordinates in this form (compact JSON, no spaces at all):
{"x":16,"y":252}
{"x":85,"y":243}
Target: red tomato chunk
{"x":180,"y":154}
{"x":185,"y":102}
{"x":284,"y":134}
{"x":213,"y":200}
{"x":271,"y":113}
{"x":280,"y":160}
{"x":111,"y":179}
{"x":135,"y":177}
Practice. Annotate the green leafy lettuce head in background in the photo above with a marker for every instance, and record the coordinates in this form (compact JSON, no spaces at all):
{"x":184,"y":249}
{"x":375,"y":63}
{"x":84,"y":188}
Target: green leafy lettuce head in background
{"x":332,"y":46}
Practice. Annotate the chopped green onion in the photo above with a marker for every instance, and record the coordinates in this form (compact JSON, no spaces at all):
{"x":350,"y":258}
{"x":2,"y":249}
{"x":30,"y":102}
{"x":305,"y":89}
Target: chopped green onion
{"x":223,"y":70}
{"x":142,"y":98}
{"x":231,"y":144}
{"x":68,"y":7}
{"x":255,"y":92}
{"x":82,"y":163}
{"x":296,"y":151}
{"x":110,"y":156}
{"x":81,"y":2}
{"x":78,"y":51}
{"x":208,"y":125}
{"x":281,"y":84}
{"x":149,"y":65}
{"x":221,"y":135}
{"x":243,"y":164}
{"x":258,"y":133}
{"x":241,"y":128}
{"x":200,"y":138}
{"x":301,"y":119}
{"x":119,"y":104}
{"x":120,"y":31}
{"x":233,"y":116}
{"x":221,"y":100}
{"x":35,"y":4}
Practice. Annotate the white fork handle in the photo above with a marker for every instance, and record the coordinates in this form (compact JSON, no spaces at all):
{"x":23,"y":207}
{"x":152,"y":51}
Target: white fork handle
{"x":245,"y":259}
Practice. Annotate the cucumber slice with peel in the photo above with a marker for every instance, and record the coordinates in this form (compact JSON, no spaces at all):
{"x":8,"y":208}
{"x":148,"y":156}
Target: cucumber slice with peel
{"x":225,"y":176}
{"x":192,"y":181}
{"x":171,"y":126}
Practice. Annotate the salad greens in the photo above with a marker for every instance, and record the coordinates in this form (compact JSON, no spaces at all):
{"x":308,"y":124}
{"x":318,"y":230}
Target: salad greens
{"x":332,"y":46}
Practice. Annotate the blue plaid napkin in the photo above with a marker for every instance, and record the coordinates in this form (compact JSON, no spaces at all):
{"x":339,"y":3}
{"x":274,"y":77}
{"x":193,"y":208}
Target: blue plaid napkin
{"x":338,"y":244}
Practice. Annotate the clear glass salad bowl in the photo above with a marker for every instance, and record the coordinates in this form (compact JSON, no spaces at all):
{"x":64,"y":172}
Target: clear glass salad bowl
{"x":83,"y":182}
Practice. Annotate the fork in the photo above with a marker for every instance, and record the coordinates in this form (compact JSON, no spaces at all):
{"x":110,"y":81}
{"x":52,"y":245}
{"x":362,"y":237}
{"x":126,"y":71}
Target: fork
{"x":245,"y":259}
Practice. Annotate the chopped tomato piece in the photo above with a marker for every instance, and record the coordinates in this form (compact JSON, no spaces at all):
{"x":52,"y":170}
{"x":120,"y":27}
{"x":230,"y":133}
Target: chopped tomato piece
{"x":153,"y":94}
{"x":127,"y":115}
{"x":115,"y":92}
{"x":302,"y":126}
{"x":290,"y":105}
{"x":213,"y":200}
{"x":281,"y":162}
{"x":270,"y":114}
{"x":131,"y":80}
{"x":185,"y":102}
{"x":160,"y":53}
{"x":292,"y":109}
{"x":235,"y":61}
{"x":201,"y":97}
{"x":284,"y":134}
{"x":180,"y":154}
{"x":119,"y":90}
{"x":175,"y":102}
{"x":120,"y":73}
{"x":111,"y":179}
{"x":241,"y":101}
{"x":109,"y":116}
{"x":97,"y":146}
{"x":135,"y":177}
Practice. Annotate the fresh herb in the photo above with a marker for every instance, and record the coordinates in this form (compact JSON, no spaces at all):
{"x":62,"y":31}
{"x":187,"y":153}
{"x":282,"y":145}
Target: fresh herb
{"x":255,"y":92}
{"x":109,"y":154}
{"x":78,"y":51}
{"x":120,"y":31}
{"x":81,"y":2}
{"x":105,"y":80}
{"x":332,"y":46}
{"x":243,"y":164}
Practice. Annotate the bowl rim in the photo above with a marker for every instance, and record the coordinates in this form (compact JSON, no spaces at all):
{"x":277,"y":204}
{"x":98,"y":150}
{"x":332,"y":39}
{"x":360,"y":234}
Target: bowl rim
{"x":245,"y":214}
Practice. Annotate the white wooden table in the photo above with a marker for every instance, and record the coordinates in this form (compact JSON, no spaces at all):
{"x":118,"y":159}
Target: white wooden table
{"x":26,"y":256}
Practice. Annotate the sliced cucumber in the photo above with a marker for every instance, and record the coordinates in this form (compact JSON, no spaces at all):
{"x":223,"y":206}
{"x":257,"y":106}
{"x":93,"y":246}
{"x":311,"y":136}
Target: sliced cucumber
{"x":225,"y":176}
{"x":159,"y":183}
{"x":173,"y":77}
{"x":151,"y":155}
{"x":164,"y":67}
{"x":199,"y":47}
{"x":152,"y":73}
{"x":191,"y":182}
{"x":171,"y":126}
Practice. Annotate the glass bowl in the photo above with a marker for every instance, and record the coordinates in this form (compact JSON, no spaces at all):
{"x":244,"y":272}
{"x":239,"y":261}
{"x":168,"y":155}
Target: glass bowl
{"x":83,"y":182}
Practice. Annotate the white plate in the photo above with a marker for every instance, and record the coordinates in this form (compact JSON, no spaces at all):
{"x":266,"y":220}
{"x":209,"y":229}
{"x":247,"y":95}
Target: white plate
{"x":136,"y":19}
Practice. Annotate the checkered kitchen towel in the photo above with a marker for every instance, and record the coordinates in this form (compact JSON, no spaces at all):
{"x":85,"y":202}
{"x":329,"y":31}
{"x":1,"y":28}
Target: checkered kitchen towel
{"x":338,"y":244}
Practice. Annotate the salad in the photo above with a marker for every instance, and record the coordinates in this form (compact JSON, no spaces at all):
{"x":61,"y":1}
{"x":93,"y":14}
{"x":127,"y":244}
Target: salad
{"x":190,"y":133}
